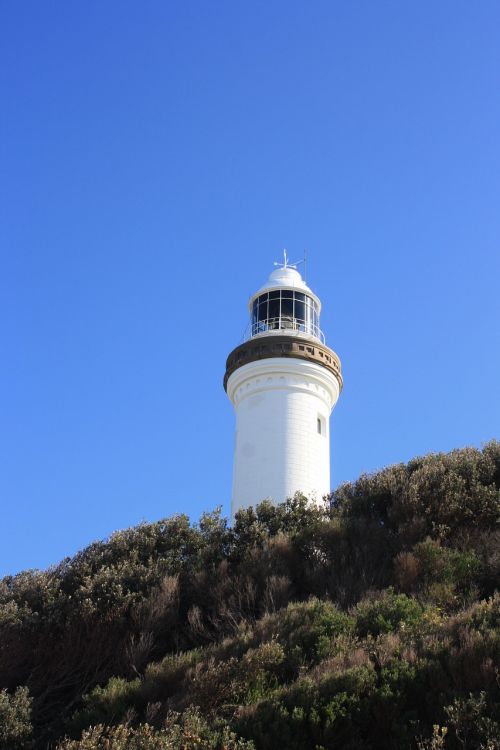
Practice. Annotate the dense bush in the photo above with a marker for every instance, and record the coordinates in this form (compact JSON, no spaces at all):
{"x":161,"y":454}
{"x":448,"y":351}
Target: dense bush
{"x":387,"y":612}
{"x":189,"y":731}
{"x":15,"y":720}
{"x":368,"y":622}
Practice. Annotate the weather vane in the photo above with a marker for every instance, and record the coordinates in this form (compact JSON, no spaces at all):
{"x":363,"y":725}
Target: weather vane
{"x":287,"y":264}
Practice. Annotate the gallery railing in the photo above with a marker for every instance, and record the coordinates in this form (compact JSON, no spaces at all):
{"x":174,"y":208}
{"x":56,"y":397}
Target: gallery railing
{"x":283,"y":324}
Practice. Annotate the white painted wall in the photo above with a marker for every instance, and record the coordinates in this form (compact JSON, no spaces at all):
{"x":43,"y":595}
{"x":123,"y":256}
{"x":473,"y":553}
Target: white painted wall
{"x":278,"y":450}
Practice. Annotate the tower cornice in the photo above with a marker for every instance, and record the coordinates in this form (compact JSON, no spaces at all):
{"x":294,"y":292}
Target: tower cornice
{"x":267,"y":347}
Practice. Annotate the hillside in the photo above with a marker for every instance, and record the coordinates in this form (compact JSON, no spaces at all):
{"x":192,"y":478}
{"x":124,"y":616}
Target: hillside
{"x":372,"y":622}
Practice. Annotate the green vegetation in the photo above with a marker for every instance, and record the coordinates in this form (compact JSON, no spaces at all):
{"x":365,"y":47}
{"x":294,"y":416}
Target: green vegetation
{"x":371,"y":622}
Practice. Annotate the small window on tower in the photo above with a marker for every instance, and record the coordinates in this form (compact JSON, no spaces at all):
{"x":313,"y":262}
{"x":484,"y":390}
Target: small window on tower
{"x":319,"y":425}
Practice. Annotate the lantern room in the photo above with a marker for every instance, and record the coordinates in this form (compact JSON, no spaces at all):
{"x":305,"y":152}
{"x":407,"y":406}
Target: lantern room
{"x":285,"y":304}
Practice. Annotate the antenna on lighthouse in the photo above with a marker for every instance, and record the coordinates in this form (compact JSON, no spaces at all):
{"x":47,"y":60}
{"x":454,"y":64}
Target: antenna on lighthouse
{"x":287,"y":264}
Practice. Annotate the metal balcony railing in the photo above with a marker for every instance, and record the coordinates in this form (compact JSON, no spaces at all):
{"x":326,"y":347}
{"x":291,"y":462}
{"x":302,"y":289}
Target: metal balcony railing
{"x":285,"y":325}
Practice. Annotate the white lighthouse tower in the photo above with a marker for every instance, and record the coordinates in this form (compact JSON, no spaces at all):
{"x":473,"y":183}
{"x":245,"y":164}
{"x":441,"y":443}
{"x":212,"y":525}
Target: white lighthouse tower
{"x":283,"y":382}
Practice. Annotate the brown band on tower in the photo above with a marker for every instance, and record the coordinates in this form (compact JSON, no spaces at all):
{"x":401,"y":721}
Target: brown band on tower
{"x":282,"y":346}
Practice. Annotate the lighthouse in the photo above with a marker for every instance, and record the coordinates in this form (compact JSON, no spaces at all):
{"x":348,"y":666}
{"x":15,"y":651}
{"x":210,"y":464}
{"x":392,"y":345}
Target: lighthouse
{"x":283,"y":382}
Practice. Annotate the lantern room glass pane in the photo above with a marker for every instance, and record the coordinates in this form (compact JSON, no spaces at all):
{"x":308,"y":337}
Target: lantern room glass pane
{"x":274,"y":308}
{"x":308,"y":313}
{"x":287,"y":308}
{"x":300,"y":310}
{"x":275,"y":294}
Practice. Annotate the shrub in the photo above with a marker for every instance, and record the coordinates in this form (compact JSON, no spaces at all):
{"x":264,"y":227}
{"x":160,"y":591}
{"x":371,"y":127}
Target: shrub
{"x":306,"y":630}
{"x":310,"y":714}
{"x":106,"y":705}
{"x":165,"y":677}
{"x":386,"y":612}
{"x":216,"y":683}
{"x":407,"y":571}
{"x":472,"y":724}
{"x":436,"y":741}
{"x":15,"y":720}
{"x":182,"y":732}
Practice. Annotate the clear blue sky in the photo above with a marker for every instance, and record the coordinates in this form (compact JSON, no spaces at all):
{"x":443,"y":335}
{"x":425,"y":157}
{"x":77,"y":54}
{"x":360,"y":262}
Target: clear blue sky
{"x":155,"y":158}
